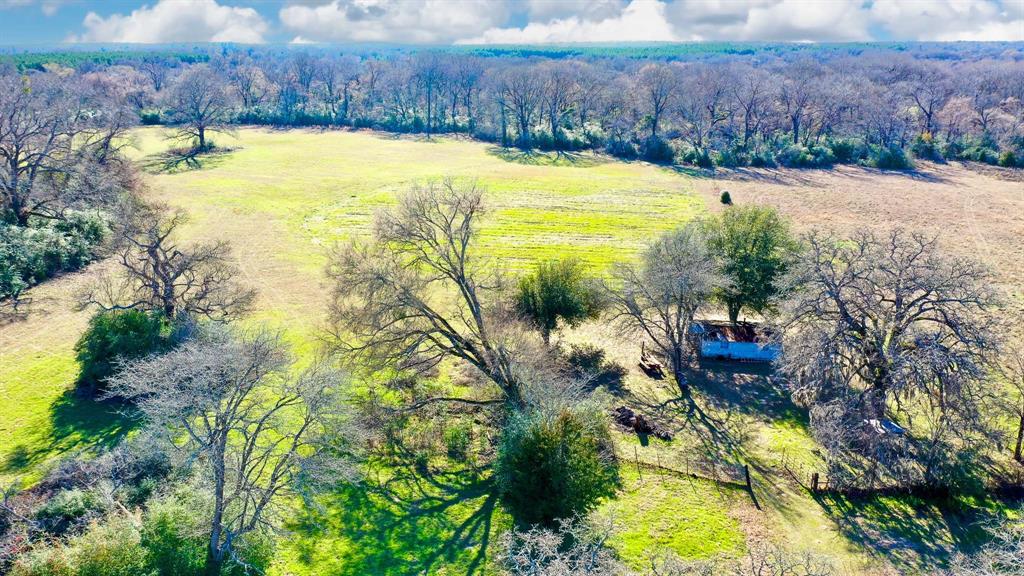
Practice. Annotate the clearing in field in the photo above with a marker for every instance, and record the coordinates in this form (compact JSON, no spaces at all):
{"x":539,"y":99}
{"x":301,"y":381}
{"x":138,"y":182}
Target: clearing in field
{"x":284,"y":197}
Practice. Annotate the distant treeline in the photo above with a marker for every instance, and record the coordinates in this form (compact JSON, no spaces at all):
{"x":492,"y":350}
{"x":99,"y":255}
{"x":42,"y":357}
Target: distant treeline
{"x":707,"y":104}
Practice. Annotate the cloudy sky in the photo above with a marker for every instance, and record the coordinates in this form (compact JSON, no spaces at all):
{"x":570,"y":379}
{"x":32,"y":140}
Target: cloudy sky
{"x":505,"y":21}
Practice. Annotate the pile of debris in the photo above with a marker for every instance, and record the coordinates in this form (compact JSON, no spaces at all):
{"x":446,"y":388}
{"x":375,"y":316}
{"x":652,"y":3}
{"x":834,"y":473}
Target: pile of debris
{"x":649,"y":364}
{"x":631,"y":420}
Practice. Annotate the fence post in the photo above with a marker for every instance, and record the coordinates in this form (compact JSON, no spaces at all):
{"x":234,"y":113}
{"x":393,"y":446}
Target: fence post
{"x":814,"y":481}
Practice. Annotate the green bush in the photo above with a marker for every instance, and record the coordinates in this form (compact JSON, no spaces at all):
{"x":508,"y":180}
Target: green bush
{"x":924,"y":147}
{"x":44,"y":561}
{"x":763,"y":159}
{"x":457,"y":440}
{"x":621,"y":148}
{"x":114,"y":335}
{"x":1008,"y":159}
{"x":31,"y":254}
{"x":983,"y":149}
{"x":889,"y":158}
{"x":981,"y":154}
{"x":150,"y":117}
{"x":588,"y":362}
{"x":111,"y":549}
{"x":846,"y":151}
{"x":173,"y":538}
{"x":794,"y":156}
{"x":67,"y":510}
{"x":557,"y":291}
{"x":659,"y":151}
{"x":557,"y":465}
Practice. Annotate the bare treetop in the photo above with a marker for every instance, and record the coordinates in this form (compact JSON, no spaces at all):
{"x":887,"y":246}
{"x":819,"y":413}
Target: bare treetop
{"x":157,"y":273}
{"x":887,"y":313}
{"x":416,"y":295}
{"x":257,"y":431}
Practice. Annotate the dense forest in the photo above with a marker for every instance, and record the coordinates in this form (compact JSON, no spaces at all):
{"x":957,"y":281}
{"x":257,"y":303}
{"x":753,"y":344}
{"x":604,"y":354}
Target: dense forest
{"x":707,"y":105}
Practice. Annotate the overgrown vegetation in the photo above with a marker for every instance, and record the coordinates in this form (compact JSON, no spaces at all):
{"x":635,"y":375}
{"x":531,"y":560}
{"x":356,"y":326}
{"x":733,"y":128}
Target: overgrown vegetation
{"x":113,"y":336}
{"x":31,"y":254}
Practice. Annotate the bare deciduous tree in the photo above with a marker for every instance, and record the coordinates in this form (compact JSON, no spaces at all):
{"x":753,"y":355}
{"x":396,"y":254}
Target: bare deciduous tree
{"x":199,"y":104}
{"x":522,"y":91}
{"x":887,"y":315}
{"x":576,"y":548}
{"x":1002,"y":556}
{"x":1013,"y":370}
{"x":255,"y":429}
{"x":879,"y":322}
{"x":41,"y":117}
{"x":417,"y":295}
{"x":157,"y":273}
{"x":657,"y":88}
{"x":659,"y":298}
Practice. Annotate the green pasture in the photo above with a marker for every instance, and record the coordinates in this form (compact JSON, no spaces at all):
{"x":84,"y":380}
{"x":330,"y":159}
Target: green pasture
{"x":283,"y":198}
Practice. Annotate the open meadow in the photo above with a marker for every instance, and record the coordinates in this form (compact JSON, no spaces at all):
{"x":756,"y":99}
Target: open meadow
{"x":282,"y":198}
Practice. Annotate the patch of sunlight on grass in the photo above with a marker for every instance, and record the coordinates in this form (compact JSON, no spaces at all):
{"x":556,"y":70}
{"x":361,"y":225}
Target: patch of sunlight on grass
{"x":661,"y":512}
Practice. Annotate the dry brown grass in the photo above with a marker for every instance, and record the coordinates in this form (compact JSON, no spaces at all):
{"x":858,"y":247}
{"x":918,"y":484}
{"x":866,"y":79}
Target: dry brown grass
{"x":974,"y":211}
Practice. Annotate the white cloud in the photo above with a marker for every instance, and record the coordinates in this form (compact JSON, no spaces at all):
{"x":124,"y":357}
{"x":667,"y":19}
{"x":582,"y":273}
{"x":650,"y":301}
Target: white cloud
{"x":951,"y":19}
{"x":770,"y":20}
{"x":639,"y":21}
{"x":176,"y":21}
{"x":762,"y":20}
{"x":799,"y":20}
{"x":542,"y":11}
{"x":49,"y":7}
{"x":405,"y":21}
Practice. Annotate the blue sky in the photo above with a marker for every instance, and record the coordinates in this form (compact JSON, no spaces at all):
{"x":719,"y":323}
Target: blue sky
{"x":505,"y":21}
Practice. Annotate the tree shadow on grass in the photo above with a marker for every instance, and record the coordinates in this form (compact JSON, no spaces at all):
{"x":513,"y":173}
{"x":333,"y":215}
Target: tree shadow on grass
{"x":537,"y":158}
{"x":411,"y":522}
{"x":76,"y":424}
{"x":178,"y":160}
{"x":908,"y":530}
{"x":749,"y":388}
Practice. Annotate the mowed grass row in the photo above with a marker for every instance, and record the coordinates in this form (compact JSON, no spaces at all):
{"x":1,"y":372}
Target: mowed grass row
{"x":282,"y":198}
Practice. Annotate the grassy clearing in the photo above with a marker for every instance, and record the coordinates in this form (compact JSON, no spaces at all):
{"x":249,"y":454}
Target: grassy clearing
{"x":664,"y":512}
{"x":283,"y":197}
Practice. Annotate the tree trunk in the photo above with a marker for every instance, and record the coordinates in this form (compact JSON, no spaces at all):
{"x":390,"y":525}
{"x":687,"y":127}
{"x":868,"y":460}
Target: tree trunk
{"x":214,"y":553}
{"x":524,"y":133}
{"x":734,"y":312}
{"x":213,"y":563}
{"x":1020,"y":439}
{"x":202,"y":138}
{"x":430,"y":106}
{"x":22,"y":215}
{"x":678,"y":365}
{"x":504,"y":129}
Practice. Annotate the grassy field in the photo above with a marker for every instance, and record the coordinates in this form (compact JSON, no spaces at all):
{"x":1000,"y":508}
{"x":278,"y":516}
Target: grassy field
{"x":283,"y":197}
